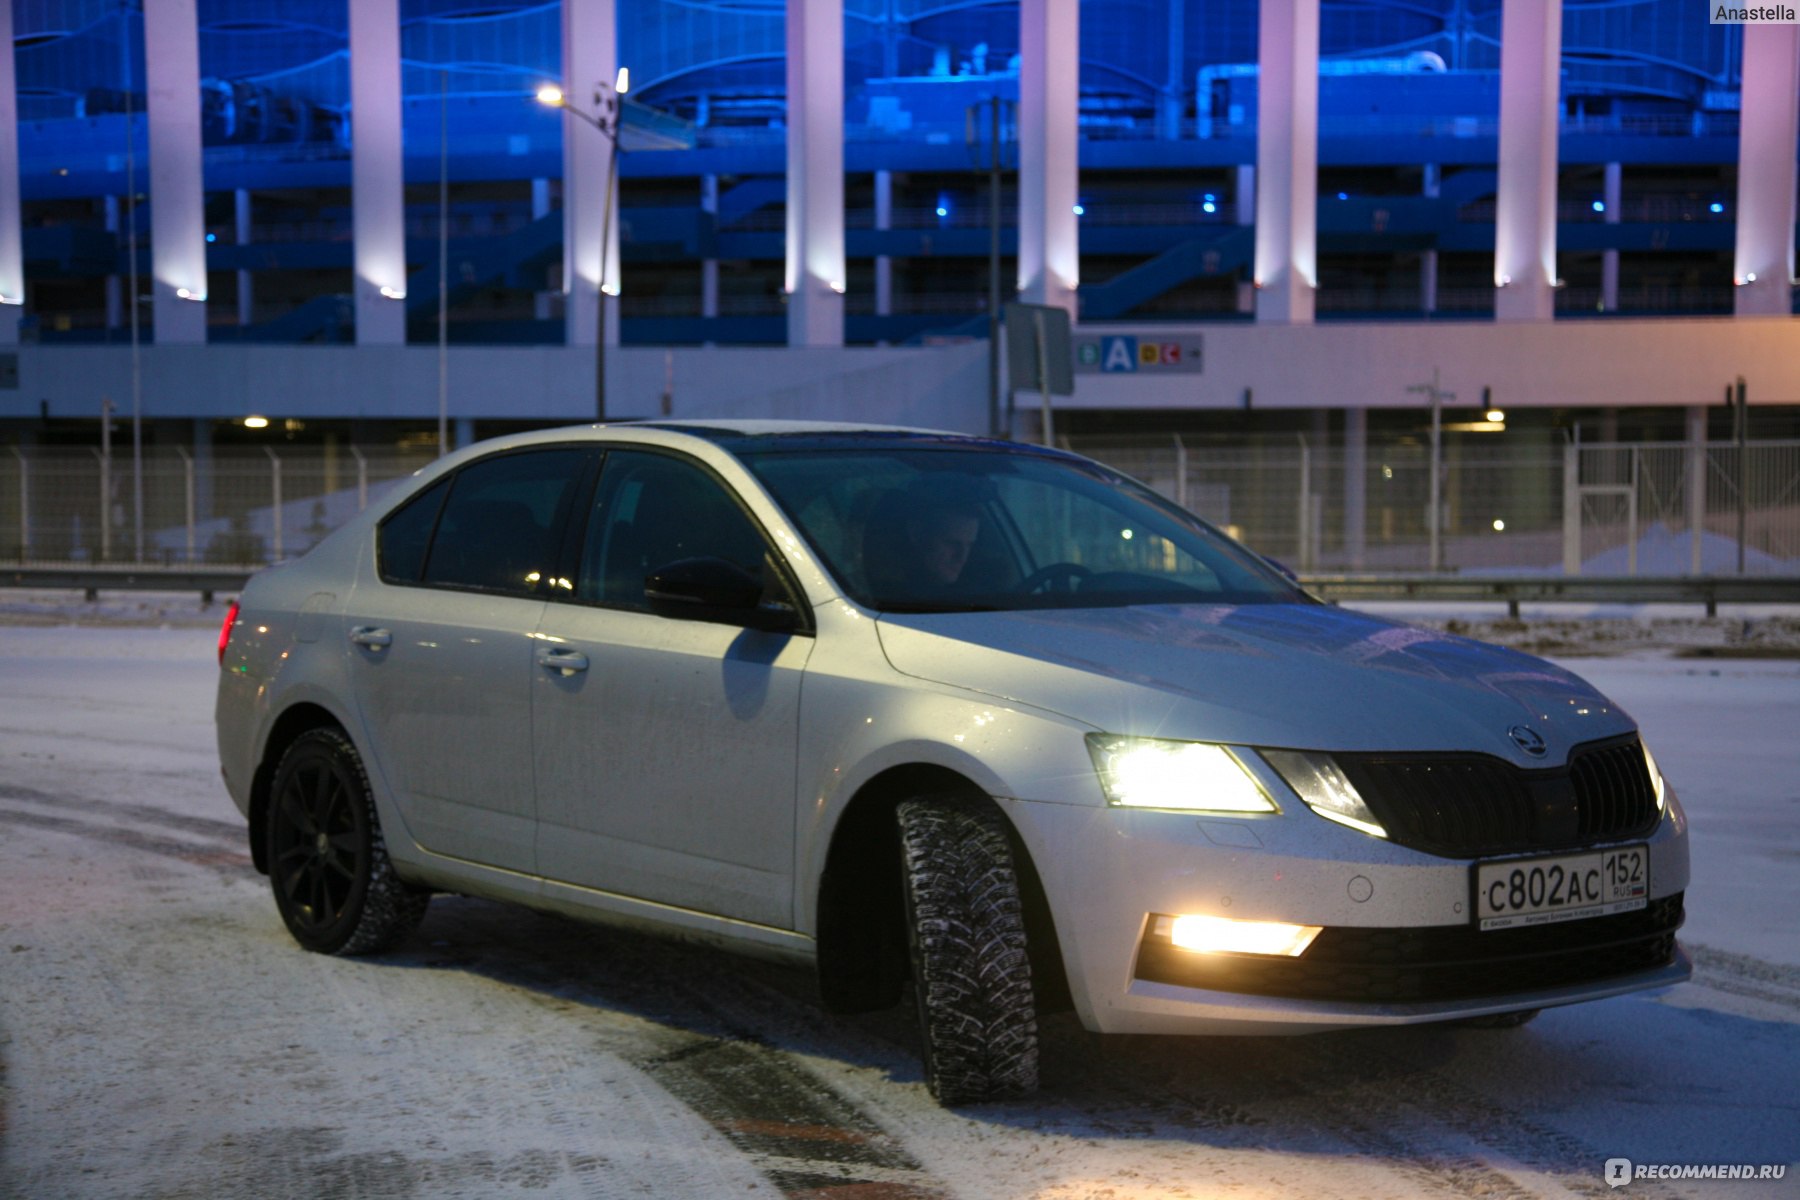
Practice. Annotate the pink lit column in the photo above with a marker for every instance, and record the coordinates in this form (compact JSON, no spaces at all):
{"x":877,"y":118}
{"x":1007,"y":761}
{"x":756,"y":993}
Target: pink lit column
{"x":12,"y":253}
{"x":590,"y":57}
{"x":377,"y":197}
{"x":1767,"y":132}
{"x":814,"y":278}
{"x":1287,"y":162}
{"x":1049,"y":139}
{"x":177,"y":209}
{"x":1525,"y":209}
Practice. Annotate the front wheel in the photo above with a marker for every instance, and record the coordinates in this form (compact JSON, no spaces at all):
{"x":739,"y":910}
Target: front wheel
{"x":333,"y":882}
{"x":966,"y":931}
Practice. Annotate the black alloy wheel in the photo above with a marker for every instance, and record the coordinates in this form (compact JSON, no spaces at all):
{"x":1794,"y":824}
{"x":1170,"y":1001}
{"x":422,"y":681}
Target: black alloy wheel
{"x":328,"y":865}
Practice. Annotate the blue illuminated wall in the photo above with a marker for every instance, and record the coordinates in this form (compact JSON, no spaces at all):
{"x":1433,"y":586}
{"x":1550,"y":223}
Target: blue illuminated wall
{"x":1168,"y":104}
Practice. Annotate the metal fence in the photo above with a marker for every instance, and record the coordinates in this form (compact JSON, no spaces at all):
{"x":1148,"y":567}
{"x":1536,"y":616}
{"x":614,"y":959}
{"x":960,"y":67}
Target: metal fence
{"x":223,"y":506}
{"x":1654,"y":508}
{"x":1646,"y":509}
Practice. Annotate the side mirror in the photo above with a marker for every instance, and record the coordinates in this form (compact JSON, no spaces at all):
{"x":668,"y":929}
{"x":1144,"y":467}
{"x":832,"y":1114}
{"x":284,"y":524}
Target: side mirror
{"x":712,"y":589}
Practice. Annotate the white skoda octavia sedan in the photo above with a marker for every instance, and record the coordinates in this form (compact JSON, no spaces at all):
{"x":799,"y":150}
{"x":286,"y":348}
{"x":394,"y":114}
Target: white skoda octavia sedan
{"x":917,"y":708}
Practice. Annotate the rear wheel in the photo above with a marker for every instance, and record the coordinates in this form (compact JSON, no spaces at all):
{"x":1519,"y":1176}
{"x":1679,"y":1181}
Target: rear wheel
{"x":966,"y":930}
{"x":328,"y":865}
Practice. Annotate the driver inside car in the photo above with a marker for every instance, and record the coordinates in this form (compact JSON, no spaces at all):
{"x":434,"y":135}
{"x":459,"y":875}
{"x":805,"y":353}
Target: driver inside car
{"x":919,"y":538}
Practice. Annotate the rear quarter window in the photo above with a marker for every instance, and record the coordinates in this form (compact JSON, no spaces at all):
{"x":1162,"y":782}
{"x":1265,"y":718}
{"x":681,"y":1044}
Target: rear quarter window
{"x":405,"y":535}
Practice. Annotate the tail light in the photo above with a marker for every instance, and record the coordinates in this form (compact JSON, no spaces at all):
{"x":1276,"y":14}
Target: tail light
{"x":225,"y":630}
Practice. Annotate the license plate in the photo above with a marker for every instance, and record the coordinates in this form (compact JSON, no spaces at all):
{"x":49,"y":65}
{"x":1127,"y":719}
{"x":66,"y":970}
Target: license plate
{"x":1563,"y":887}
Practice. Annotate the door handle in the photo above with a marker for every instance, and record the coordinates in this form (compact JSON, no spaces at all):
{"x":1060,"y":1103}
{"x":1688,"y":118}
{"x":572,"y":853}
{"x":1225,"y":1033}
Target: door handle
{"x":558,"y":659}
{"x":373,"y":638}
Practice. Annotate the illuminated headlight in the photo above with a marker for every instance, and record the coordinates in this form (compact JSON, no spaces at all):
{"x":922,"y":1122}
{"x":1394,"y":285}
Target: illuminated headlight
{"x":1196,"y":776}
{"x":1656,"y":777}
{"x":1224,"y":935}
{"x":1318,"y":781}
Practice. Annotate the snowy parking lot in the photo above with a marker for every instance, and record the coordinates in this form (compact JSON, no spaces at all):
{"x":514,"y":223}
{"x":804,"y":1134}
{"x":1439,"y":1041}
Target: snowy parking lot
{"x":162,"y":1036}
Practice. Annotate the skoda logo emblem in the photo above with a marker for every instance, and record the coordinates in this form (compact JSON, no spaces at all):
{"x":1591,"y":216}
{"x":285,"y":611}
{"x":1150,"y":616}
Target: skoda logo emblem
{"x":1528,"y":740}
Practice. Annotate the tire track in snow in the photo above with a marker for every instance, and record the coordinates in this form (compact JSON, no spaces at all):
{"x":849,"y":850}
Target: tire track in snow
{"x":231,"y":863}
{"x":230,"y":831}
{"x":1742,"y":975}
{"x":1433,"y":1096}
{"x":806,"y":1138}
{"x":704,"y":1043}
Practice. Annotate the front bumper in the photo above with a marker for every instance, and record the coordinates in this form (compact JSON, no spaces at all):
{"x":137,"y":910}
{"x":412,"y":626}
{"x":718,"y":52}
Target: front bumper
{"x":1399,"y":947}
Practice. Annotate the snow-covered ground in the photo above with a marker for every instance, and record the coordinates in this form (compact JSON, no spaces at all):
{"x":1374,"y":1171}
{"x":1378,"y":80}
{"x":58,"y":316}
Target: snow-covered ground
{"x":161,"y":1036}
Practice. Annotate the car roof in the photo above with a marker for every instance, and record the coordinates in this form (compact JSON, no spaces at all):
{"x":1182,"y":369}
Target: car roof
{"x":746,"y":436}
{"x":762,"y":435}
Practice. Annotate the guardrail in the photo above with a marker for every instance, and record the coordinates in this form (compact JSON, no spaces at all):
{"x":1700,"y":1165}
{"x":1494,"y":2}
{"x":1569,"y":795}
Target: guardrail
{"x":1511,"y":590}
{"x":1710,"y":590}
{"x":129,"y":577}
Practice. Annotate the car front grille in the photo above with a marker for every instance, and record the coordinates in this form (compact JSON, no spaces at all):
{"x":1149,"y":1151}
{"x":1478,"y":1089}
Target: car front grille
{"x":1473,"y":805}
{"x":1438,"y":962}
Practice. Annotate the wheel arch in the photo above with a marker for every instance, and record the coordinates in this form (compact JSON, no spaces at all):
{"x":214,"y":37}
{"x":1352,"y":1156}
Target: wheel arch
{"x":295,"y":720}
{"x":861,"y":913}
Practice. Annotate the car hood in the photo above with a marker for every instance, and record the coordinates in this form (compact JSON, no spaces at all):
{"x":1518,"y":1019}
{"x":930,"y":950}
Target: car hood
{"x":1278,"y":675}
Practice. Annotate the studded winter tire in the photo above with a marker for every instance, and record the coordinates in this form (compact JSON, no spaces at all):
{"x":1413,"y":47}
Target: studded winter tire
{"x":966,"y":931}
{"x":328,"y":865}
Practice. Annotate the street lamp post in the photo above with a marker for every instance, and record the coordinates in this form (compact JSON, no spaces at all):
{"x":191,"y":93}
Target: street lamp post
{"x":605,"y":118}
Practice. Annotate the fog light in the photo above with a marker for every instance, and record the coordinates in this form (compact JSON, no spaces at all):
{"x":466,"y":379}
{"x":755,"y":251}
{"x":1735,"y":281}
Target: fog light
{"x":1216,"y":935}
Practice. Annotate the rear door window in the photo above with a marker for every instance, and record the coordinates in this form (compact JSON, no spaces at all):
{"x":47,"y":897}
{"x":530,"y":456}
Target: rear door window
{"x":501,"y":527}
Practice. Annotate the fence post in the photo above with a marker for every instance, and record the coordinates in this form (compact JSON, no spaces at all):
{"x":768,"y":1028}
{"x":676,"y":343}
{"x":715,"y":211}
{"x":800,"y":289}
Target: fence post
{"x":187,"y":470}
{"x":275,"y":512}
{"x":1697,"y":473}
{"x":1572,"y":508}
{"x":105,"y":456}
{"x":1181,"y":492}
{"x":362,"y":479}
{"x":1631,"y":513}
{"x":1304,"y":550}
{"x":24,"y":504}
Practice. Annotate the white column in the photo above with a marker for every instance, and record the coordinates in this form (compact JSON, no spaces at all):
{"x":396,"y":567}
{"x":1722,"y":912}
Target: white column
{"x":1287,"y":161}
{"x":178,"y":214}
{"x":1609,"y":259}
{"x":12,"y":251}
{"x":590,"y":57}
{"x":377,"y":195}
{"x":884,"y":264}
{"x":245,"y":283}
{"x":709,"y":267}
{"x":815,"y":273}
{"x":1767,"y":131}
{"x":1525,"y":209}
{"x":1049,"y":169}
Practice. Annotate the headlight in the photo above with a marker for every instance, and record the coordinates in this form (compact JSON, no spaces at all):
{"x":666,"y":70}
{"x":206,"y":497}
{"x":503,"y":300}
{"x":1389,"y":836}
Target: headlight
{"x":1318,"y":781}
{"x":1656,"y":777}
{"x":1197,"y":776}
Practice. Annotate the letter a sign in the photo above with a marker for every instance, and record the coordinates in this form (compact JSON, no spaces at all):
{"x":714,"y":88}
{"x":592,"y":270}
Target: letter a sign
{"x":1118,"y":354}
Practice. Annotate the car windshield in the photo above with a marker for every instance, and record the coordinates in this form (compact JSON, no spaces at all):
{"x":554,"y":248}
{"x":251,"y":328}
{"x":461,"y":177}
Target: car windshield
{"x":959,"y":529}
